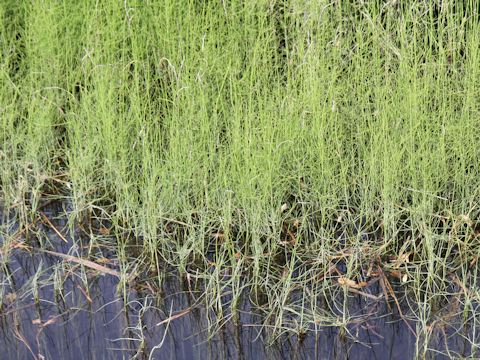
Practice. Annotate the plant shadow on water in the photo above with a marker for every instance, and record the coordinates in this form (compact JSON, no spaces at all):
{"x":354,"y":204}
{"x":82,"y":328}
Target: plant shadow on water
{"x":53,"y":308}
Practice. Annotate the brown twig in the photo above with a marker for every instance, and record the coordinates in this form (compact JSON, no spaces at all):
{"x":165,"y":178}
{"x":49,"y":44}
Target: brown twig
{"x":49,"y":223}
{"x":176,"y":316}
{"x":83,"y":262}
{"x":389,"y":287}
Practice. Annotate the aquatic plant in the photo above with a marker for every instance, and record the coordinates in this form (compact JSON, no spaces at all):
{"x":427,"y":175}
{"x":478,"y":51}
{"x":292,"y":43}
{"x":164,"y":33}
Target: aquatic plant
{"x":289,"y":150}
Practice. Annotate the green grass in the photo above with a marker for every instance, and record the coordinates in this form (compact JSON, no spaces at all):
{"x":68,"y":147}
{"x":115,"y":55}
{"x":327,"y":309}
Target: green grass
{"x":254,"y":144}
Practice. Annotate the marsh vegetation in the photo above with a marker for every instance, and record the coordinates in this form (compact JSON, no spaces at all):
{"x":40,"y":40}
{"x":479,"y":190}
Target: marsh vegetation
{"x":300,"y":154}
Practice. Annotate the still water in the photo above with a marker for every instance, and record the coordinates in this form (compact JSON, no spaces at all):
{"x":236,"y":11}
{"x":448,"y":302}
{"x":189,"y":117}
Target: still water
{"x":54,"y":310}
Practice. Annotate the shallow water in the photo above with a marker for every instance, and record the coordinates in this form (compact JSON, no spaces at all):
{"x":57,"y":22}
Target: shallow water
{"x":75,"y":322}
{"x":107,"y":329}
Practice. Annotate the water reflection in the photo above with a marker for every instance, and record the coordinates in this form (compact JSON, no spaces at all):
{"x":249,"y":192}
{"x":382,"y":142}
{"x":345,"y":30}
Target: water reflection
{"x":54,"y":310}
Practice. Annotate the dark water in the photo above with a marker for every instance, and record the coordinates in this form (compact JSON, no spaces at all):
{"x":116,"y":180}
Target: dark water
{"x":73,"y":321}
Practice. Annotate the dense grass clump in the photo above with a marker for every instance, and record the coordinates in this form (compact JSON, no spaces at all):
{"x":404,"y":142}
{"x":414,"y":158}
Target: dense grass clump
{"x":288,"y":148}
